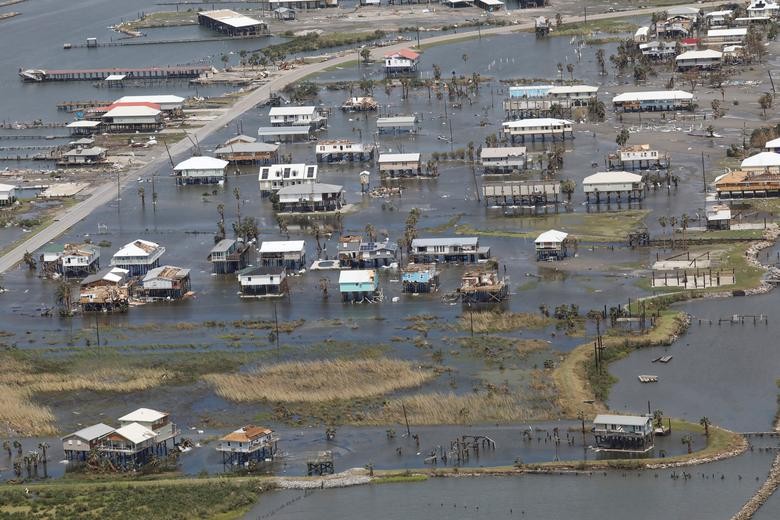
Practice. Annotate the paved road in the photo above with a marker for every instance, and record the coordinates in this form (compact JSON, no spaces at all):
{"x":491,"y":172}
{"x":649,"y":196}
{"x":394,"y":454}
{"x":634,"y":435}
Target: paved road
{"x":106,"y":193}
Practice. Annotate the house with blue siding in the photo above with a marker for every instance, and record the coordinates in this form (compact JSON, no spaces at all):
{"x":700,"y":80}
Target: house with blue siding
{"x":420,"y":278}
{"x":359,"y":286}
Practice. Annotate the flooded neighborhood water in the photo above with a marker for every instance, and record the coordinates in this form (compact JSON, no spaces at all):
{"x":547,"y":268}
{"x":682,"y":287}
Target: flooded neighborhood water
{"x":726,"y":371}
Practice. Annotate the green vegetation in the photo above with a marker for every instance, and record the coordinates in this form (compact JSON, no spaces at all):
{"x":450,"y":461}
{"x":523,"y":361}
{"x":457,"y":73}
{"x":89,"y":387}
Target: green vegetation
{"x":611,"y":26}
{"x":314,"y":42}
{"x":588,"y":227}
{"x":171,"y":499}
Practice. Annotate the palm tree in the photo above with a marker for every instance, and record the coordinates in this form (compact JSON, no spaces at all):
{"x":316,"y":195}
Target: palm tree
{"x":237,"y":195}
{"x":29,"y":259}
{"x":64,"y":296}
{"x":570,"y":70}
{"x":688,"y":440}
{"x":658,"y":418}
{"x":601,"y":62}
{"x":705,"y":422}
{"x":370,"y":232}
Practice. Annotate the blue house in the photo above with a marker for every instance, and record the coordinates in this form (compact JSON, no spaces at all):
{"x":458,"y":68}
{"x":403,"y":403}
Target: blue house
{"x":359,"y":286}
{"x":420,"y":278}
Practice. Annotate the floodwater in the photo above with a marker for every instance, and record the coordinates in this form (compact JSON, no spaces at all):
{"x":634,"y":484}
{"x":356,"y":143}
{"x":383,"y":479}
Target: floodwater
{"x":714,"y":491}
{"x":706,"y":377}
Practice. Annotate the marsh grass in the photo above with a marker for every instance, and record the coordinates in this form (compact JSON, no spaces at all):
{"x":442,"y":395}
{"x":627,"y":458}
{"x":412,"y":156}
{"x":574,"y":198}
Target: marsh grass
{"x":320,"y":381}
{"x":502,"y":321}
{"x":449,"y":408}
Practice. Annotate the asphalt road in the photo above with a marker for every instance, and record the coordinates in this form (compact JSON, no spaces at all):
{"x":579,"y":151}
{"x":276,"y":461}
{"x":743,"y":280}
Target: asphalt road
{"x":105,"y":193}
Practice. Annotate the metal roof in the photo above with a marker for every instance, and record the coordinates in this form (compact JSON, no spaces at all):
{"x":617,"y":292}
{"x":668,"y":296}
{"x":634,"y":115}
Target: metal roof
{"x":243,"y":147}
{"x":90,"y":433}
{"x":282,"y":246}
{"x":762,"y":160}
{"x":291,"y":111}
{"x":537,"y":122}
{"x":83,"y":124}
{"x":201,"y":163}
{"x":446,"y":241}
{"x":552,"y":235}
{"x":223,"y":245}
{"x":652,"y":95}
{"x":625,"y":420}
{"x":143,"y":415}
{"x":231,"y":18}
{"x":611,"y":177}
{"x":497,"y":153}
{"x":357,"y":276}
{"x":697,"y":55}
{"x":135,"y":433}
{"x":399,"y":157}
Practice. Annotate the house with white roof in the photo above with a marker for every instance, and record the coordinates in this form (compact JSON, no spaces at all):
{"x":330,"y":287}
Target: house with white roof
{"x":277,"y":176}
{"x":231,"y":23}
{"x":158,"y":422}
{"x":729,"y":36}
{"x":618,"y":183}
{"x":702,"y":60}
{"x":653,"y":101}
{"x":399,"y":164}
{"x":773,"y":145}
{"x":262,"y":282}
{"x":78,"y":445}
{"x":359,"y":286}
{"x":307,"y":116}
{"x":290,"y":254}
{"x":551,"y":245}
{"x":763,"y":10}
{"x":543,"y":127}
{"x":501,"y":159}
{"x":7,"y":194}
{"x":448,"y":249}
{"x":633,"y":433}
{"x":138,"y":257}
{"x":762,"y":162}
{"x":200,"y":170}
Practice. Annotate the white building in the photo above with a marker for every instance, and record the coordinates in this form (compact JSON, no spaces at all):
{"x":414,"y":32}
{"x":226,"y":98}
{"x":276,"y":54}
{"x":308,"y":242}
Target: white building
{"x":277,"y":176}
{"x":761,"y":162}
{"x":7,"y":194}
{"x":400,"y":62}
{"x":703,"y":60}
{"x":167,"y":102}
{"x":551,"y":245}
{"x":733,"y":36}
{"x":654,"y":100}
{"x":543,"y":127}
{"x":773,"y":145}
{"x":131,"y":118}
{"x":262,"y":282}
{"x":642,"y":34}
{"x":138,"y":257}
{"x":763,"y":9}
{"x":718,"y":18}
{"x":158,"y":422}
{"x":200,"y":170}
{"x":615,"y":183}
{"x":505,"y":158}
{"x":296,"y":116}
